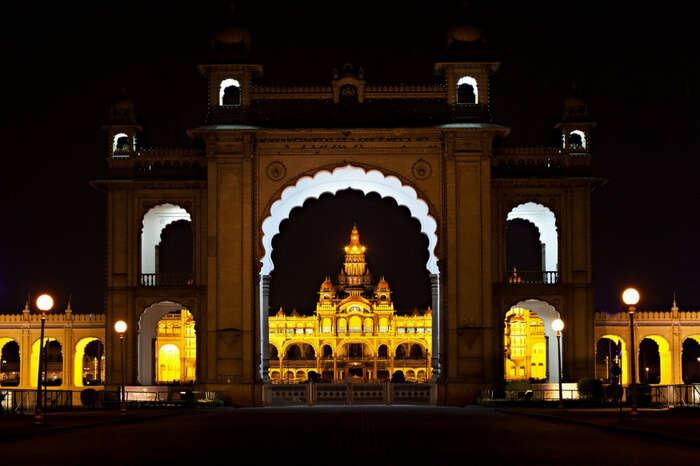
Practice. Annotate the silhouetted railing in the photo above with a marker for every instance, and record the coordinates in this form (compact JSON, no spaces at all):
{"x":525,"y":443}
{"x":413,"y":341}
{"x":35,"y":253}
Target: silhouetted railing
{"x":531,"y":277}
{"x":23,"y":400}
{"x":167,"y":279}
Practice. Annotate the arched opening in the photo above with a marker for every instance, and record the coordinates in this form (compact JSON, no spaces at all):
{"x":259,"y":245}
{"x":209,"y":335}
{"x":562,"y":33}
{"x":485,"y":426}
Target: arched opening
{"x":467,"y":90}
{"x":229,"y":92}
{"x":400,"y":352}
{"x":293,"y":353}
{"x":9,"y":363}
{"x":175,"y":253}
{"x":546,"y":254}
{"x":530,"y":346}
{"x":335,"y":183}
{"x":274,"y":355}
{"x":612,"y":359}
{"x":654,"y":361}
{"x":348,"y":96}
{"x":577,"y":139}
{"x":691,"y":359}
{"x":326,"y":325}
{"x":383,"y":325}
{"x":178,"y":243}
{"x":120,"y":144}
{"x":88,"y":362}
{"x":369,"y":326}
{"x":54,"y":363}
{"x":416,"y":352}
{"x":327,"y":352}
{"x":382,"y":352}
{"x":161,"y":324}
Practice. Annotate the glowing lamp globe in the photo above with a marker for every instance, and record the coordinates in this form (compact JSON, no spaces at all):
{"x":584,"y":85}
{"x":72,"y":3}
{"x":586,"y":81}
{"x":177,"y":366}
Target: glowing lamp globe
{"x":630,"y":296}
{"x":44,"y":302}
{"x":557,"y":325}
{"x":120,"y":326}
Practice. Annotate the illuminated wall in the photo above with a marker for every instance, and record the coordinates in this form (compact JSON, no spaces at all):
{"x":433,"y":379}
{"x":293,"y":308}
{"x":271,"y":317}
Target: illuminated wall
{"x":525,"y":345}
{"x":176,"y":348}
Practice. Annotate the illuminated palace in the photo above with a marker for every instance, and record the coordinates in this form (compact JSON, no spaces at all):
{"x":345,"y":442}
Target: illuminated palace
{"x":354,"y":334}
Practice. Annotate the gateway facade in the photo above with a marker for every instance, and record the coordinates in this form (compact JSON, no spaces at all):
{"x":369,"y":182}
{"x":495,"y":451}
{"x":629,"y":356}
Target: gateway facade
{"x":264,"y":149}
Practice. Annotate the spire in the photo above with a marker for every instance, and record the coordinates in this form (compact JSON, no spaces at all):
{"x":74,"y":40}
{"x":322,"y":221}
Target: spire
{"x":674,"y":308}
{"x":354,"y":247}
{"x":69,"y":311}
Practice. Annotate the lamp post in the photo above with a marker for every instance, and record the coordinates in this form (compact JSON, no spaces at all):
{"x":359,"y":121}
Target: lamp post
{"x":120,"y":328}
{"x":558,"y":326}
{"x":631,"y":297}
{"x":44,"y":303}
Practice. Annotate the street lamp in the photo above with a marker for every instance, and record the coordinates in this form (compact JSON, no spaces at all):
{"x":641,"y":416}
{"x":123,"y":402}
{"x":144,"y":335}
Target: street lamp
{"x":631,"y":297}
{"x":558,"y":326}
{"x":44,"y":303}
{"x":120,"y":328}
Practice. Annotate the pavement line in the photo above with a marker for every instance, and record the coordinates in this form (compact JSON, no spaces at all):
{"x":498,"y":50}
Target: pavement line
{"x":56,"y":430}
{"x":623,"y":430}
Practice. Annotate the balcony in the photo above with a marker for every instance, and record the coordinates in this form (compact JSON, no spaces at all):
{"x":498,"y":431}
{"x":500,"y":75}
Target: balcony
{"x":531,"y":277}
{"x":167,"y":280}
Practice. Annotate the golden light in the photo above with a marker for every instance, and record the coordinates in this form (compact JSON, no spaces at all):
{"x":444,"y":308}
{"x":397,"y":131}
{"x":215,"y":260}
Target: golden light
{"x":44,"y":302}
{"x":120,"y":326}
{"x":557,"y":325}
{"x":630,"y":296}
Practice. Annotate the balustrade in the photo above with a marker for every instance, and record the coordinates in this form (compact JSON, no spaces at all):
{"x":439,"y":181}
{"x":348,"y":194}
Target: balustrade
{"x":172,"y":280}
{"x":532,"y":277}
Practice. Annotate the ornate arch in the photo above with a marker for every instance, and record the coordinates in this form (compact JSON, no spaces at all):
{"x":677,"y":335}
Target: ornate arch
{"x":345,"y":177}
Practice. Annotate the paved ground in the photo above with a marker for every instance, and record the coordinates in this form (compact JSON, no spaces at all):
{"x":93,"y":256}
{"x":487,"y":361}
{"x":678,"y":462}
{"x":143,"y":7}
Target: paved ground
{"x":342,"y":435}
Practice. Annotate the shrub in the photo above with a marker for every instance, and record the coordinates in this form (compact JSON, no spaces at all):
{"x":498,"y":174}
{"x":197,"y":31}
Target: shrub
{"x":518,"y":386}
{"x":590,"y":388}
{"x":88,"y":397}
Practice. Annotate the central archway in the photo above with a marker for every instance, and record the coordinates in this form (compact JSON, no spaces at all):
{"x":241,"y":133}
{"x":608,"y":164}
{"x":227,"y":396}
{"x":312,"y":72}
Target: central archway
{"x":341,"y":178}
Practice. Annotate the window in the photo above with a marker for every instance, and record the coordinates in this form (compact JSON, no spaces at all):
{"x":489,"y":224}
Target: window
{"x":229,"y":92}
{"x":467,"y":91}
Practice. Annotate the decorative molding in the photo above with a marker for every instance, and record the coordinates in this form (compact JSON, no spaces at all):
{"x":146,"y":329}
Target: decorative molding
{"x":276,"y":171}
{"x":421,"y":169}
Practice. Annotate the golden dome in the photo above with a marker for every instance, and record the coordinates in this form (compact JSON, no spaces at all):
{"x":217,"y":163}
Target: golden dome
{"x":383,"y":285}
{"x":355,"y":247}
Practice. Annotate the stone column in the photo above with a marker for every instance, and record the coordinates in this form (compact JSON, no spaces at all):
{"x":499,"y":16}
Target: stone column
{"x":435,"y":294}
{"x":265,"y":329}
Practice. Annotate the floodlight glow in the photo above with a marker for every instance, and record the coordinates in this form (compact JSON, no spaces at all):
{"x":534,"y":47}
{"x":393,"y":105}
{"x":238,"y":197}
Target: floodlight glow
{"x":120,"y":326}
{"x":630,"y":296}
{"x":44,"y":302}
{"x":557,"y":325}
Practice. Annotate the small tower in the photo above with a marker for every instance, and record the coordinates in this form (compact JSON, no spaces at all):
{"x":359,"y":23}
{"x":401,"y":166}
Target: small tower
{"x":230,"y":75}
{"x":122,"y":128}
{"x":466,"y":69}
{"x":326,"y":294}
{"x":383,"y":292}
{"x":355,"y":276}
{"x":576,"y":125}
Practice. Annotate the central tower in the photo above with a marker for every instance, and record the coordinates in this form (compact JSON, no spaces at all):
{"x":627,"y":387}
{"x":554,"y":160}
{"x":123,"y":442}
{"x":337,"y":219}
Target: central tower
{"x":355,"y":276}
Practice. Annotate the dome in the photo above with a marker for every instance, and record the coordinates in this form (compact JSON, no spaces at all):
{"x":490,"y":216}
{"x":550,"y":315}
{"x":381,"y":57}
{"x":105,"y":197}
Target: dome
{"x":383,"y":285}
{"x":281,"y":313}
{"x":327,"y":285}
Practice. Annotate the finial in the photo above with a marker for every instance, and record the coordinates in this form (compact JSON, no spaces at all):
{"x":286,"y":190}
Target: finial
{"x":675,"y":305}
{"x":68,"y":306}
{"x":26,"y":305}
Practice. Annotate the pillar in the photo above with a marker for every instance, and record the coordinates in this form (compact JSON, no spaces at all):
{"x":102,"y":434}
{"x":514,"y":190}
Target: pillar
{"x":435,"y":295}
{"x":265,"y":330}
{"x":676,"y":355}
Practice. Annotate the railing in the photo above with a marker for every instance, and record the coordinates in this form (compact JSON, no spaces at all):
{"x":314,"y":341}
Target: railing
{"x":173,"y":280}
{"x":24,"y":401}
{"x":675,"y":395}
{"x":350,"y":393}
{"x":531,"y":277}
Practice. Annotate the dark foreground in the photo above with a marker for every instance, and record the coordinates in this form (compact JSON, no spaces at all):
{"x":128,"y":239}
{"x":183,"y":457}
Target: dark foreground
{"x":342,"y":435}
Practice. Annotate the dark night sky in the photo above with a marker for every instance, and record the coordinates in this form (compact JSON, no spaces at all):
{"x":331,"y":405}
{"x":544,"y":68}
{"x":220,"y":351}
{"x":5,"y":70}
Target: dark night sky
{"x":65,"y":62}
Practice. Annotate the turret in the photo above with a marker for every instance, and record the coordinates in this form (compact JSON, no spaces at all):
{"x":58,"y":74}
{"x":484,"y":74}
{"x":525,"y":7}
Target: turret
{"x":122,"y":128}
{"x":576,"y":125}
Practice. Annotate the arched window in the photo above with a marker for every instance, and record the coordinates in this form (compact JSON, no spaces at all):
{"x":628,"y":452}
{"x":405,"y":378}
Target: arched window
{"x":467,"y":90}
{"x":369,"y":326}
{"x":544,"y":222}
{"x":154,"y":223}
{"x":383,"y":325}
{"x":120,"y":143}
{"x":342,"y":326}
{"x":309,"y":352}
{"x":229,"y":92}
{"x":577,"y":139}
{"x":382,"y":352}
{"x":326,"y":326}
{"x":355,"y":324}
